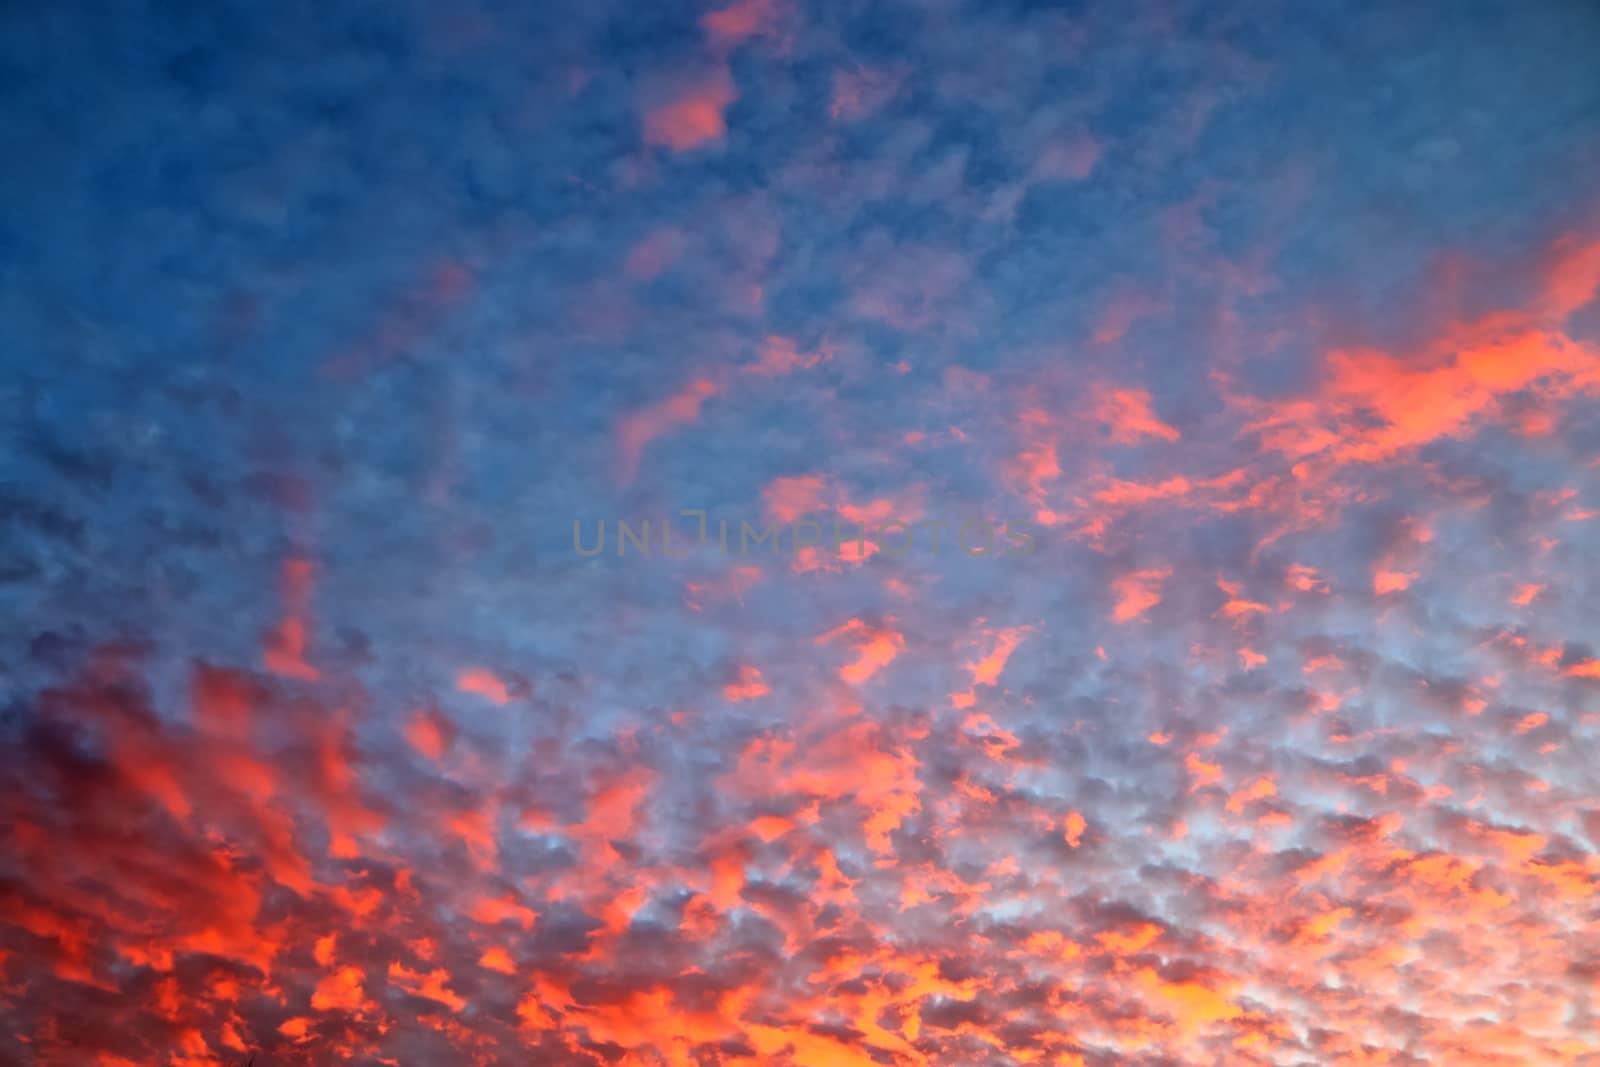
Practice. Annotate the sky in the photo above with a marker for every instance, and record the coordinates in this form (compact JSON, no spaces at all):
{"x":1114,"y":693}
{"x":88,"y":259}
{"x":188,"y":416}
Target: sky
{"x":922,"y":533}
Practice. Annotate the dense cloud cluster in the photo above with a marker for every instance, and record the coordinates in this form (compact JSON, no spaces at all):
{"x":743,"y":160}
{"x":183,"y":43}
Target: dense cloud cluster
{"x":324,"y":324}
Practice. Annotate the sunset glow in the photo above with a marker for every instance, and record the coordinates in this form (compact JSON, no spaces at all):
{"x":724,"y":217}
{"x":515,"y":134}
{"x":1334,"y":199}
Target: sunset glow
{"x":783,"y":533}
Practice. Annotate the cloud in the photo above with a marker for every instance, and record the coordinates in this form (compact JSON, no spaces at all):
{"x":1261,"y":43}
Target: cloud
{"x":692,"y":115}
{"x":1289,"y":713}
{"x":1128,"y":418}
{"x":483,"y":682}
{"x":284,"y":650}
{"x":1137,"y":593}
{"x":637,"y":430}
{"x":738,"y":21}
{"x":875,"y":646}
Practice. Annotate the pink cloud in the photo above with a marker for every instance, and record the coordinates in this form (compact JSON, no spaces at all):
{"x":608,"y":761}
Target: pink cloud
{"x":739,"y":20}
{"x":694,"y":115}
{"x":1073,"y":159}
{"x":636,"y":431}
{"x":1138,"y":592}
{"x":1127,"y":306}
{"x":654,"y":253}
{"x":1128,"y":416}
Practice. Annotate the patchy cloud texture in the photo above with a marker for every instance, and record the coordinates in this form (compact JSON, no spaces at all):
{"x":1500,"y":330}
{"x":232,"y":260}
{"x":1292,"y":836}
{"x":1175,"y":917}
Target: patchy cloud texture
{"x":323,"y":322}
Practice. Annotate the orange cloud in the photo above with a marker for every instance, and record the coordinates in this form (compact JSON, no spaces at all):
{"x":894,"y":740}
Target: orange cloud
{"x":986,"y":671}
{"x":495,"y":958}
{"x":432,"y":985}
{"x":857,"y":762}
{"x":876,"y":647}
{"x":1588,"y":668}
{"x":1306,"y":579}
{"x":1073,"y":828}
{"x":492,"y":911}
{"x":1201,"y":773}
{"x":1260,"y":789}
{"x":1531,"y":722}
{"x":1386,"y":581}
{"x":341,"y":991}
{"x":1372,"y":406}
{"x":1194,"y":1003}
{"x":1237,"y":607}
